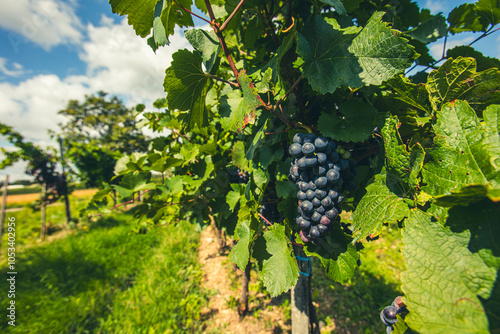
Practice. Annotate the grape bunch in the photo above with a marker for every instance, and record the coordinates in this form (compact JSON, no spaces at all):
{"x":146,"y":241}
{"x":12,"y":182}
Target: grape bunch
{"x":321,"y":170}
{"x":389,"y":314}
{"x":236,"y":175}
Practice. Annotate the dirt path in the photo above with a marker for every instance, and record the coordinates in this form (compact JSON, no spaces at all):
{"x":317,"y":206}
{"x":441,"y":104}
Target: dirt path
{"x":218,"y":277}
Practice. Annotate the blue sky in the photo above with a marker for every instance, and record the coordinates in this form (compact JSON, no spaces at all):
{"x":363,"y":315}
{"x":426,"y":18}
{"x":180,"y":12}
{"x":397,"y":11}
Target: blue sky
{"x":55,"y":50}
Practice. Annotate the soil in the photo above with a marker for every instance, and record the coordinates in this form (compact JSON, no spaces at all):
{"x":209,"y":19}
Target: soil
{"x":222,"y":314}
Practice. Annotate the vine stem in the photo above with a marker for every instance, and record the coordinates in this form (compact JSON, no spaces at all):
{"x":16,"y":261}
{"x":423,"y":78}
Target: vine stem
{"x":224,"y":25}
{"x":264,"y":218}
{"x":288,"y":92}
{"x":190,"y":12}
{"x":222,"y":80}
{"x":118,"y":205}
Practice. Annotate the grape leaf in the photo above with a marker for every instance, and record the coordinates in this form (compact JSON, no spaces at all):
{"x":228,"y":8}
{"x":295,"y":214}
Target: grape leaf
{"x":351,"y":57}
{"x":430,"y":30}
{"x":337,"y":254}
{"x":132,"y":183}
{"x":464,"y":18}
{"x":412,"y":94}
{"x":378,"y":206}
{"x":337,"y":4}
{"x":280,"y":272}
{"x":483,"y":62}
{"x":396,"y":155}
{"x":242,"y":108}
{"x":351,"y":5}
{"x":257,"y":141}
{"x":489,"y":12}
{"x":356,"y":125}
{"x":140,"y":14}
{"x":457,"y":79}
{"x":241,"y":251}
{"x":492,"y":119}
{"x":205,"y":42}
{"x":433,"y":255}
{"x":462,"y":163}
{"x":186,"y":85}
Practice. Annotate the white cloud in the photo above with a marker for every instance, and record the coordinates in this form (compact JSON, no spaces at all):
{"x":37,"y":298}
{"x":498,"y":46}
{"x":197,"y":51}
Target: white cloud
{"x":17,"y":69}
{"x":118,"y":62}
{"x":43,"y":22}
{"x":435,"y":6}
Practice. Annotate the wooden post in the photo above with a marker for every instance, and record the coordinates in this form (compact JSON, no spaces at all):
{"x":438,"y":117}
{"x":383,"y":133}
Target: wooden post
{"x":43,"y":210}
{"x":300,"y":298}
{"x":244,"y":287}
{"x":4,"y":204}
{"x":66,"y":196}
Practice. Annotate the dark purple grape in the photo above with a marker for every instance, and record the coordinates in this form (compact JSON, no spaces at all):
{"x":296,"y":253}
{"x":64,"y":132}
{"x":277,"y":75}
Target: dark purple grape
{"x":325,"y":220}
{"x":309,"y":138}
{"x":316,"y":217}
{"x":298,"y":138}
{"x":327,"y":202}
{"x":333,"y":157}
{"x":320,"y":194}
{"x":294,"y":170}
{"x":302,"y":163}
{"x":312,"y":185}
{"x":388,"y":314}
{"x":305,"y":176}
{"x":333,"y":194}
{"x":291,"y":178}
{"x":304,"y":223}
{"x":302,"y":195}
{"x":332,"y":214}
{"x":308,"y":149}
{"x":321,"y":182}
{"x":322,"y":158}
{"x":316,"y":202}
{"x":322,"y":228}
{"x":344,"y":164}
{"x":304,"y":186}
{"x":320,"y":143}
{"x":295,"y":150}
{"x":314,"y":232}
{"x":306,"y":206}
{"x":332,"y":175}
{"x":340,"y":199}
{"x":319,"y":170}
{"x":310,"y":194}
{"x":340,"y":182}
{"x":311,"y":161}
{"x":321,"y":210}
{"x":299,"y":210}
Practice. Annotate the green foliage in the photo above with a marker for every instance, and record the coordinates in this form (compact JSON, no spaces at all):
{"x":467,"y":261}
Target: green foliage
{"x":422,"y":144}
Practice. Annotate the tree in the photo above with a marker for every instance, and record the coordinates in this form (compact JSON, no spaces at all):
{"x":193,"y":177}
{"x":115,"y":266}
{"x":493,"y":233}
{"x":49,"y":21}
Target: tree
{"x":97,"y":132}
{"x":427,"y":147}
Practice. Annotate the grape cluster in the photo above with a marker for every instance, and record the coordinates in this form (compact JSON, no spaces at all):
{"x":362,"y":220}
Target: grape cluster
{"x":389,"y":314}
{"x":236,"y":175}
{"x":321,"y":170}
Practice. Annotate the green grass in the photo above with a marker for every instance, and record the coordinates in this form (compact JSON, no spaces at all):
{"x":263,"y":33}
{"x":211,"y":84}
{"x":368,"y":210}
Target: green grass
{"x":107,"y":279}
{"x":21,"y":191}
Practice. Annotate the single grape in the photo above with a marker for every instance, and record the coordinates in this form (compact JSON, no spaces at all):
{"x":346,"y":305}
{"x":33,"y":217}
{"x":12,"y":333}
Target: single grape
{"x":308,"y":149}
{"x":291,"y":178}
{"x":302,"y":195}
{"x":294,"y":170}
{"x":316,"y":217}
{"x":295,"y":150}
{"x":389,"y":330}
{"x":314,"y":232}
{"x":305,"y":176}
{"x":312,"y":185}
{"x":332,"y":175}
{"x":320,"y":143}
{"x":310,"y":194}
{"x":316,"y":202}
{"x":388,"y":315}
{"x":344,"y":164}
{"x":304,"y":223}
{"x":346,"y":155}
{"x":306,"y":206}
{"x":321,"y":182}
{"x":322,"y":228}
{"x":322,"y":158}
{"x":321,"y":210}
{"x":301,"y":163}
{"x":333,"y":194}
{"x":311,"y":161}
{"x":298,"y":138}
{"x":332,"y":214}
{"x":327,"y":202}
{"x":324,"y":220}
{"x":303,"y":236}
{"x":320,"y":193}
{"x":309,"y":138}
{"x":340,"y":199}
{"x":319,"y":170}
{"x":304,"y":186}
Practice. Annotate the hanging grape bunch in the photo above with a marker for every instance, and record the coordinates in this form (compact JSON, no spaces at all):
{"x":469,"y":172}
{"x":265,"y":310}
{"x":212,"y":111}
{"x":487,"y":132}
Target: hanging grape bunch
{"x":321,"y":171}
{"x":236,"y":175}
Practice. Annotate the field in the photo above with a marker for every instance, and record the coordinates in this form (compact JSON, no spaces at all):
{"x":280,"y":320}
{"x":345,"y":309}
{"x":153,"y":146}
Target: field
{"x":104,"y":277}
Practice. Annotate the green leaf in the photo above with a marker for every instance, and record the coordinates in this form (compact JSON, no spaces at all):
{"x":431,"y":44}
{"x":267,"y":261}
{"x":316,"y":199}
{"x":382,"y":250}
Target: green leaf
{"x":205,"y":42}
{"x":443,"y":279}
{"x":492,"y":119}
{"x":352,"y":57}
{"x":464,"y":18}
{"x":173,"y":15}
{"x":280,"y":272}
{"x":377,"y":207}
{"x":241,"y":251}
{"x":483,"y":62}
{"x":356,"y":124}
{"x":238,"y":154}
{"x":337,"y":4}
{"x":159,"y":35}
{"x":257,"y":141}
{"x":396,"y":155}
{"x":337,"y":254}
{"x":133,"y":182}
{"x":417,"y":156}
{"x":457,"y":79}
{"x":412,"y":94}
{"x":489,"y":12}
{"x":463,"y":160}
{"x":242,"y":108}
{"x":186,"y":85}
{"x":140,"y":14}
{"x":430,"y":30}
